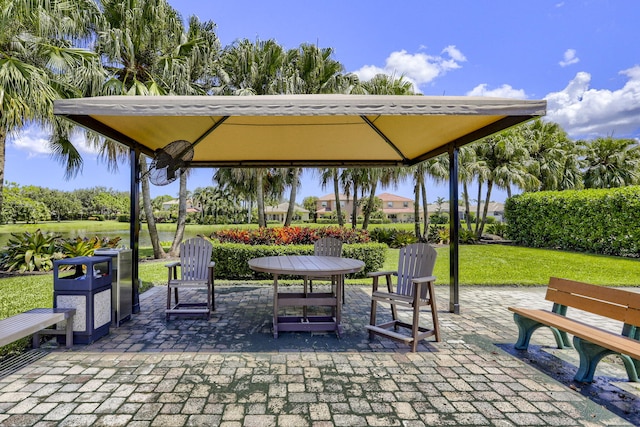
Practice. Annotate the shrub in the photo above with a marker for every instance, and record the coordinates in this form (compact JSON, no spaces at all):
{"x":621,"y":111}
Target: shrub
{"x":86,"y":246}
{"x":596,"y":221}
{"x":403,"y":238}
{"x":498,"y":228}
{"x":433,"y":236}
{"x":232,"y":259}
{"x":31,"y":252}
{"x":123,"y":218}
{"x":439,"y":218}
{"x":393,"y":237}
{"x":467,"y":237}
{"x":382,"y":235}
{"x":443,"y":235}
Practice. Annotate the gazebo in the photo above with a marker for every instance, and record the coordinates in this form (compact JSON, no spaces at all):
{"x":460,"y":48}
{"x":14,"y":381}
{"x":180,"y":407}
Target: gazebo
{"x":301,"y":131}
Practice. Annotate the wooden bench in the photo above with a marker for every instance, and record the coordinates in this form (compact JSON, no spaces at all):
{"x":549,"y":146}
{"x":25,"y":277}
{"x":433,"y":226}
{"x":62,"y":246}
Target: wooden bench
{"x":37,"y":322}
{"x":592,"y":343}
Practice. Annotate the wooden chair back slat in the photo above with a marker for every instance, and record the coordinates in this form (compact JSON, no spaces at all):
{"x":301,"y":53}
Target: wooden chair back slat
{"x":416,"y":260}
{"x":195,"y":257}
{"x":328,"y":246}
{"x":601,"y":300}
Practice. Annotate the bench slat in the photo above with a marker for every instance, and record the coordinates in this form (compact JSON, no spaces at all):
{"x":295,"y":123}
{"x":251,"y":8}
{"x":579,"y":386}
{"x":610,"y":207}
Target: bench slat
{"x":601,"y":300}
{"x":633,"y":317}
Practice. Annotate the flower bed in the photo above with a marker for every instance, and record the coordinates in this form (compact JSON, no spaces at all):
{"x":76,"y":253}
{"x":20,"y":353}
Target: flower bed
{"x":289,"y":235}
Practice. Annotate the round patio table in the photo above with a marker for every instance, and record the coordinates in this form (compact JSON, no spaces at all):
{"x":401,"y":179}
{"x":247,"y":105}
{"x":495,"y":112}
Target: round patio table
{"x":307,"y":265}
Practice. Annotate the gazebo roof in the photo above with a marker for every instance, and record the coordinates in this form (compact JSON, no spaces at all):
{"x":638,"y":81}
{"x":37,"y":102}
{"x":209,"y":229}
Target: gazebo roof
{"x":299,"y":130}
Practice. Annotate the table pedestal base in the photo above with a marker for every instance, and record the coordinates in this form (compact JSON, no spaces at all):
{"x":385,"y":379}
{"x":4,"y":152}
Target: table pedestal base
{"x":306,"y":324}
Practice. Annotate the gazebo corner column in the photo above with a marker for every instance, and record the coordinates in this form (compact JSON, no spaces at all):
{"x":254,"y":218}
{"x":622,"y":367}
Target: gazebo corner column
{"x":134,"y":225}
{"x":454,"y":227}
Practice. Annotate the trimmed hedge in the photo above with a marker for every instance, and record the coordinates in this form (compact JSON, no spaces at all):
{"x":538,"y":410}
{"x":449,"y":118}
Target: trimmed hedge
{"x":232,"y":258}
{"x":597,"y":221}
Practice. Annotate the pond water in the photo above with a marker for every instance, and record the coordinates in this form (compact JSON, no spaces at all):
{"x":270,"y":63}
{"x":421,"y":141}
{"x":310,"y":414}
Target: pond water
{"x":145,"y":241}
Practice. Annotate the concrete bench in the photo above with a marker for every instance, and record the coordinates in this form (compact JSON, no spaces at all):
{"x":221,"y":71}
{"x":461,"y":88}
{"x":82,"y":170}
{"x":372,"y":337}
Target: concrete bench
{"x":592,"y":343}
{"x":37,"y":322}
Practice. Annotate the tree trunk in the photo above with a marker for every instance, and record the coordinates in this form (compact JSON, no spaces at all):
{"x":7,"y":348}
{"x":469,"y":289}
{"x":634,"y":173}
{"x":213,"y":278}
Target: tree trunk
{"x":416,"y":209}
{"x":3,"y":142}
{"x":260,"y":197}
{"x":336,"y":192}
{"x":354,"y":211}
{"x":486,"y":209}
{"x":249,"y":203}
{"x":425,"y":208}
{"x":292,"y":197}
{"x":182,"y":215}
{"x":478,"y":207}
{"x":369,"y":208}
{"x":467,"y":208}
{"x":158,"y":252}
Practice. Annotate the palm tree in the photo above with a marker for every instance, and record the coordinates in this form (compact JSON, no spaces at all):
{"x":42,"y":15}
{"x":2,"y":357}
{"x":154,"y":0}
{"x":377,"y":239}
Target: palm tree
{"x":436,"y":168}
{"x":333,"y":175}
{"x":611,"y":162}
{"x":308,"y":69}
{"x":253,"y":68}
{"x":554,"y":157}
{"x":41,"y":61}
{"x":293,"y":175}
{"x":467,"y":167}
{"x":241,"y":183}
{"x":503,"y":161}
{"x":147,"y":206}
{"x":181,"y":221}
{"x":367,"y":180}
{"x":157,"y":59}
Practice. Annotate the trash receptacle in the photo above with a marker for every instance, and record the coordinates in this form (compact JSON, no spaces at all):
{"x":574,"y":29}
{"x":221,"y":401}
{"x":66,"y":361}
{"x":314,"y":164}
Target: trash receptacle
{"x":121,"y":283}
{"x":84,"y":283}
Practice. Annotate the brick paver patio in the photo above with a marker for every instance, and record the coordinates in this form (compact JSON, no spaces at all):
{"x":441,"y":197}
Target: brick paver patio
{"x":230,"y":371}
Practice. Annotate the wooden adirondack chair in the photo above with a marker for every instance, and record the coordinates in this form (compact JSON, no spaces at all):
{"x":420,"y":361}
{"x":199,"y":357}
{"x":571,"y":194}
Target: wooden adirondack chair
{"x":414,"y":290}
{"x":327,"y":246}
{"x":196,"y":271}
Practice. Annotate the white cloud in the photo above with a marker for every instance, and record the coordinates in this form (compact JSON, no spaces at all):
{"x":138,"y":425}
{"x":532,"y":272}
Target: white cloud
{"x":419,"y":68}
{"x":35,"y":141}
{"x":586,"y":113}
{"x":504,"y":91}
{"x":570,"y":58}
{"x":454,"y":53}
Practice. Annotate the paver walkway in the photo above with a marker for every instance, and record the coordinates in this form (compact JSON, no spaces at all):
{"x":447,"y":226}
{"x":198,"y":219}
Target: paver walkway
{"x":230,"y":371}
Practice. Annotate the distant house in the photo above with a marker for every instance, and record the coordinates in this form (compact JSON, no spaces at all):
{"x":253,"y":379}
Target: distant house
{"x":173,"y":204}
{"x":495,"y":210}
{"x":398,"y":208}
{"x":326,"y":205}
{"x":279,"y":212}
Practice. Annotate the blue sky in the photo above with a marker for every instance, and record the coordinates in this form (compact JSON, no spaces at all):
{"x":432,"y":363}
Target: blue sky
{"x":580,"y":55}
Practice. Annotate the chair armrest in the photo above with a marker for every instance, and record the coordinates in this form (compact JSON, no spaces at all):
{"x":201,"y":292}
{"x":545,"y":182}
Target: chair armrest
{"x":173,"y":264}
{"x":212,"y":264}
{"x":382,"y":273}
{"x":424,"y":279}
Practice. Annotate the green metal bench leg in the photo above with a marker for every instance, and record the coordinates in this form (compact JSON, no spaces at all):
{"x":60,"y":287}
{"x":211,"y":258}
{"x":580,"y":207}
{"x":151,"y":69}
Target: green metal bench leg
{"x":590,"y":356}
{"x":526,"y":328}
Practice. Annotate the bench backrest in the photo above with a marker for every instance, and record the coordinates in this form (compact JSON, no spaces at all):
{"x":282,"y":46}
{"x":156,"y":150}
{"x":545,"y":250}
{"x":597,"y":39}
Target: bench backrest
{"x":608,"y":302}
